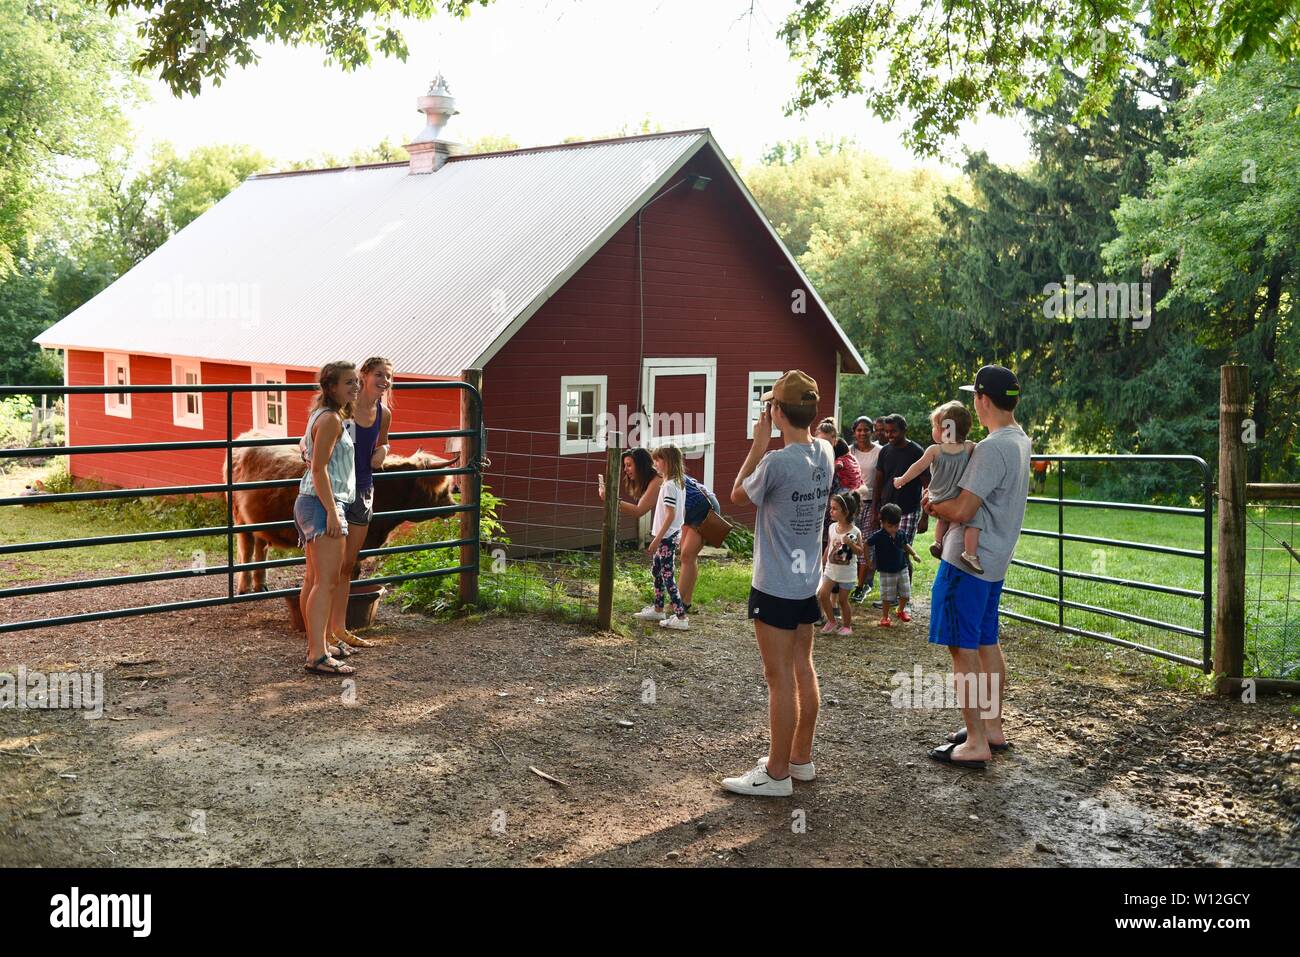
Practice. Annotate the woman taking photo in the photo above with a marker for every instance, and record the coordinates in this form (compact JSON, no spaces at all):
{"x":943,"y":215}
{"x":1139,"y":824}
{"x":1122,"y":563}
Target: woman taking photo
{"x":318,"y":513}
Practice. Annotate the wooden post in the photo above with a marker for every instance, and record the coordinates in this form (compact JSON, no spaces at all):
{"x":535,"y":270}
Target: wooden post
{"x":470,"y":418}
{"x":609,"y":536}
{"x":1230,"y":607}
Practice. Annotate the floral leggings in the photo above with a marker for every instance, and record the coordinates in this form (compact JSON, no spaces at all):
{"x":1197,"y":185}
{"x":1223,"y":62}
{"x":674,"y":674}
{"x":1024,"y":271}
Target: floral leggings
{"x":662,"y":566}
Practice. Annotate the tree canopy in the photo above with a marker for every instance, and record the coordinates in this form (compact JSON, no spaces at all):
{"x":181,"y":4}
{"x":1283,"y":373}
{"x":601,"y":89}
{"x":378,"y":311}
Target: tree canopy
{"x":189,"y":41}
{"x":941,"y":63}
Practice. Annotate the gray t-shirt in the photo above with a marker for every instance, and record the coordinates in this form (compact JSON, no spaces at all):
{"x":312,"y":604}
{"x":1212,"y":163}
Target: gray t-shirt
{"x":790,"y":487}
{"x":999,"y":474}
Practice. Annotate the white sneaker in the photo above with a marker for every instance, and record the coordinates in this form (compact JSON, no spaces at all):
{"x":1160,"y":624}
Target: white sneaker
{"x":757,"y":782}
{"x":650,"y":613}
{"x":678,"y":622}
{"x":800,"y":772}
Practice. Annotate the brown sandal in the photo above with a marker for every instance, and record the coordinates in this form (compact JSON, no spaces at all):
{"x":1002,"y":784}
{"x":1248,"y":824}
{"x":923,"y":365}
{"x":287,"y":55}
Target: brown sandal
{"x":346,"y":637}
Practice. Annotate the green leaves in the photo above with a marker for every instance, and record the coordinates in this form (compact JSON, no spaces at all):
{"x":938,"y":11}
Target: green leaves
{"x":944,"y":62}
{"x":189,"y":42}
{"x":1224,"y":220}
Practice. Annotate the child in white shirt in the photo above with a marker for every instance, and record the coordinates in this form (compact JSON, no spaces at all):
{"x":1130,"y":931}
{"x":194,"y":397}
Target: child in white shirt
{"x":670,"y":513}
{"x":840,"y":572}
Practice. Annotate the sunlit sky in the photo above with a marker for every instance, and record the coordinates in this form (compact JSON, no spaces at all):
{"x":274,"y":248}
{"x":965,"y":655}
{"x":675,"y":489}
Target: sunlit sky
{"x":540,"y":71}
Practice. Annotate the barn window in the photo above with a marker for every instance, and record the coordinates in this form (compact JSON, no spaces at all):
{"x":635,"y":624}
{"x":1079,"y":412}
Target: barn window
{"x":117,"y":371}
{"x":269,"y":413}
{"x":582,"y":413}
{"x":187,"y":407}
{"x":759,"y":383}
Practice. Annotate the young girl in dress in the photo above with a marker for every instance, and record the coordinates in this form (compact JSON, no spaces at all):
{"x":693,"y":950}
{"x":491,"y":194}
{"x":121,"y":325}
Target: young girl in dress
{"x":670,"y":513}
{"x":840,"y":568}
{"x":950,"y":423}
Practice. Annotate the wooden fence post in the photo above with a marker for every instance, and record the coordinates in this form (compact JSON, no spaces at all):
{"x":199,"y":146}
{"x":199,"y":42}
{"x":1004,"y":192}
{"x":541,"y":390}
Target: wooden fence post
{"x":1230,"y":606}
{"x":609,"y":536}
{"x":470,"y":418}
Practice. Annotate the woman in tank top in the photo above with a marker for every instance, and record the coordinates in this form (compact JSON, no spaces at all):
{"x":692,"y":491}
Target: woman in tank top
{"x":370,"y":419}
{"x":318,"y":513}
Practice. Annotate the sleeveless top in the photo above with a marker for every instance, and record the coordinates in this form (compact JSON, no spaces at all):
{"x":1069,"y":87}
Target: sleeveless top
{"x":340,"y":468}
{"x":946,"y":471}
{"x":364,"y":438}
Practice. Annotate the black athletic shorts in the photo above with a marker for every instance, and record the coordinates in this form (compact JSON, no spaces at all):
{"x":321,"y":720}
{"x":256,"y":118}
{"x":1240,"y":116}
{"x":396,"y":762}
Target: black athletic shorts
{"x":784,"y":613}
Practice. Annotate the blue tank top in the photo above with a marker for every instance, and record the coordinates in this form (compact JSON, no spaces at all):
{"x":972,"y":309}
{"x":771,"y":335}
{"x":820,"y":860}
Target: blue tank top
{"x":365,"y":439}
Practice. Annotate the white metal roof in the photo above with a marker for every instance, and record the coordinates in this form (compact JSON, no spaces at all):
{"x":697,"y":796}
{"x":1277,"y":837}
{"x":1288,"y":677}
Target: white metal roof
{"x":438,"y":269}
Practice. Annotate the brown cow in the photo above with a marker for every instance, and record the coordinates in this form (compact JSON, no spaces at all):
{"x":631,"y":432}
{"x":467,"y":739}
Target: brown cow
{"x":267,"y":462}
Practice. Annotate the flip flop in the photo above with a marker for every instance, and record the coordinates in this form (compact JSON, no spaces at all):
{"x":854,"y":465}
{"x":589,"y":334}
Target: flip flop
{"x":959,"y":737}
{"x":320,"y":667}
{"x":944,"y":756}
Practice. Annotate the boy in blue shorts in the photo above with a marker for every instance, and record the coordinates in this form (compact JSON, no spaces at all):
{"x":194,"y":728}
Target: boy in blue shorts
{"x":964,"y":605}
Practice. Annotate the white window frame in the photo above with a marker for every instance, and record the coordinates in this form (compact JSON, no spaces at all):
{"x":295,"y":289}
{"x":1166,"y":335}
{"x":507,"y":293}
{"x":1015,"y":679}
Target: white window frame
{"x":767,"y":379}
{"x":260,"y":376}
{"x":114,"y":404}
{"x":597,"y":443}
{"x":181,"y":415}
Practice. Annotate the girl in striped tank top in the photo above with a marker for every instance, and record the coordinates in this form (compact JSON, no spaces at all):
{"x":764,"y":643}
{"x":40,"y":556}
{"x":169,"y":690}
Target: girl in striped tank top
{"x":328,"y":487}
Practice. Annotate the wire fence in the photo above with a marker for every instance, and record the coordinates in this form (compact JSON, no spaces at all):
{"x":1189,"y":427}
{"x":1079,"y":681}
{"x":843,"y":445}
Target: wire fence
{"x":542,"y":540}
{"x":1272,"y":642}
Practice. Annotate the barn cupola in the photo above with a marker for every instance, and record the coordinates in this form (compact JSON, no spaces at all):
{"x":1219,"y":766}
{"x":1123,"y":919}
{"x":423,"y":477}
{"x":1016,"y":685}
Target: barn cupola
{"x":429,"y":150}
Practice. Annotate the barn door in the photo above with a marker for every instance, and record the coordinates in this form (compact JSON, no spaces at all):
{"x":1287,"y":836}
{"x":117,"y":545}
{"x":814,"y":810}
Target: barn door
{"x":679,"y":396}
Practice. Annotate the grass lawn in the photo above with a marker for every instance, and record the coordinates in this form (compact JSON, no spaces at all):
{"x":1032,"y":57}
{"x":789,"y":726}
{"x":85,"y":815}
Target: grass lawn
{"x":1273,"y":621}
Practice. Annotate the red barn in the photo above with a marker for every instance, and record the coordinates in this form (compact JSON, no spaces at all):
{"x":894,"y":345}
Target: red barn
{"x":588,"y":281}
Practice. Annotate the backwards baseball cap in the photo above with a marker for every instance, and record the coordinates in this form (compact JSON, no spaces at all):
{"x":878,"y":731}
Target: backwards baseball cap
{"x":793,"y":388}
{"x":997,"y":381}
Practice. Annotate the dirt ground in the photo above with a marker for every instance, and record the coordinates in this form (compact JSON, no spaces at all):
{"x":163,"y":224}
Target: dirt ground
{"x":218,"y":749}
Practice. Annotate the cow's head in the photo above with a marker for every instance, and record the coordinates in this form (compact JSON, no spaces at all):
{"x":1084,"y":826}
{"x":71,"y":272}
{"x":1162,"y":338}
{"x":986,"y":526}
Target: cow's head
{"x":426,"y":491}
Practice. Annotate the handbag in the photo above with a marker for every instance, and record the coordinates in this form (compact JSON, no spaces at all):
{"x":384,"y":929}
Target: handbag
{"x":714,"y":529}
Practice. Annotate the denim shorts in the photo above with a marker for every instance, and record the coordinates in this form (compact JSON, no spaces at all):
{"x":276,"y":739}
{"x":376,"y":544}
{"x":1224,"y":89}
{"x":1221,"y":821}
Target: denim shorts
{"x":309,"y":518}
{"x":362,"y":508}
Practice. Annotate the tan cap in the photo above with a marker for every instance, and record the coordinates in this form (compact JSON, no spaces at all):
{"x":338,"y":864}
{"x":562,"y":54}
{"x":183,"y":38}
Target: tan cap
{"x":793,"y":388}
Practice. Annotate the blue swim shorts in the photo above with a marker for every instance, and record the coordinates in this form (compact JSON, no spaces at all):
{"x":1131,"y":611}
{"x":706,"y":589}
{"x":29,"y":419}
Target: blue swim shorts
{"x":963,"y":609}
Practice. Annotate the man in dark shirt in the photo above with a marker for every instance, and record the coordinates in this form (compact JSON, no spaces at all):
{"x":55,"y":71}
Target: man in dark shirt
{"x":898,"y":455}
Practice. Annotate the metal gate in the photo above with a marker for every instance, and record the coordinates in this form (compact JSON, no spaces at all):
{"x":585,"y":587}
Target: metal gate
{"x":469,"y":543}
{"x":1143,"y":624}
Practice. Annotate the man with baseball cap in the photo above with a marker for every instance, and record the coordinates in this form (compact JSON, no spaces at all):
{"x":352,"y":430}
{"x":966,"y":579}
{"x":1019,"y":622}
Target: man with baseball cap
{"x":964,"y":605}
{"x":790,"y":488}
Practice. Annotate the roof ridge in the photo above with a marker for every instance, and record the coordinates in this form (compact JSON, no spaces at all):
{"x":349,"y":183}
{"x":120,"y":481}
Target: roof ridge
{"x":284,"y":174}
{"x":577,"y":145}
